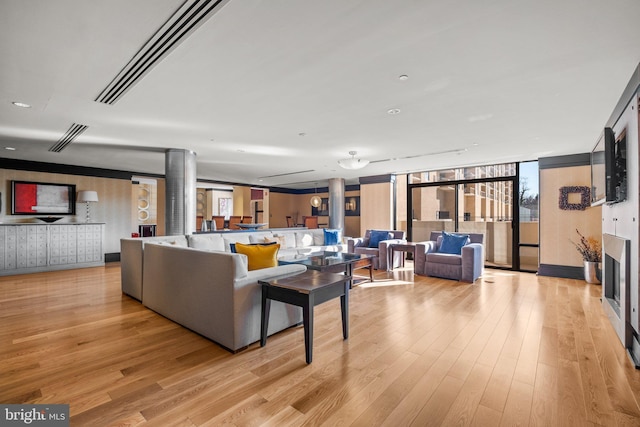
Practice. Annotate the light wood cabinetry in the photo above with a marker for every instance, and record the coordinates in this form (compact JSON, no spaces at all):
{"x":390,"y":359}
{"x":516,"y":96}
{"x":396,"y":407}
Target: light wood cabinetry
{"x":30,"y":248}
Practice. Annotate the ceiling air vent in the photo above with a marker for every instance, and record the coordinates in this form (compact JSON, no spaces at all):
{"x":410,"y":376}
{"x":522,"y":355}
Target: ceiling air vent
{"x":74,"y":131}
{"x":285,"y":174}
{"x":183,"y":22}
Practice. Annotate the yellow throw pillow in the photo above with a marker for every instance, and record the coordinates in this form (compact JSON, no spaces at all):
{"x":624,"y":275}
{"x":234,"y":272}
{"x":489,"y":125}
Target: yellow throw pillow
{"x":260,"y":256}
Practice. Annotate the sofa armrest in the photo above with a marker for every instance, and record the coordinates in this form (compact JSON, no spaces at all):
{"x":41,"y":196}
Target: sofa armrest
{"x":354,"y":242}
{"x":420,"y":257}
{"x":472,"y":262}
{"x":131,"y":267}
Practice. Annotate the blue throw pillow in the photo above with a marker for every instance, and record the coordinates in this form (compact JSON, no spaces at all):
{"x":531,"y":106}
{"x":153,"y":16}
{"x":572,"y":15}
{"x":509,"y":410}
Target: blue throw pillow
{"x":453,"y":243}
{"x":331,"y":237}
{"x":375,"y":237}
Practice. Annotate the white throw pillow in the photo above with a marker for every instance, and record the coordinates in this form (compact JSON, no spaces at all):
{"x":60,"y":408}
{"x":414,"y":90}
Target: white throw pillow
{"x":259,"y":238}
{"x":289,"y":238}
{"x":304,"y":239}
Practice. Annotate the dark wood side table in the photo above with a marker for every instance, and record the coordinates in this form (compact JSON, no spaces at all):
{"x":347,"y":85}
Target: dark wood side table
{"x":402,"y":247}
{"x":306,"y":290}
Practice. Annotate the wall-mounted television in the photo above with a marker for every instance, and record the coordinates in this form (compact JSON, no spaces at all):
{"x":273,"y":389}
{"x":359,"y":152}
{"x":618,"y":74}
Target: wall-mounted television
{"x":619,"y":169}
{"x":599,"y":170}
{"x":609,"y":169}
{"x":41,"y":198}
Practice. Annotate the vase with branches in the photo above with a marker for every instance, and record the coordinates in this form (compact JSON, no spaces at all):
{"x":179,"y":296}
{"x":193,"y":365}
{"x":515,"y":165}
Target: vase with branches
{"x":591,"y":252}
{"x":589,"y":248}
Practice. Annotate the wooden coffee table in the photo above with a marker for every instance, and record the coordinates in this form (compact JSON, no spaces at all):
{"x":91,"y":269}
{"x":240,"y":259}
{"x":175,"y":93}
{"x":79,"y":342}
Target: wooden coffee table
{"x":306,"y":290}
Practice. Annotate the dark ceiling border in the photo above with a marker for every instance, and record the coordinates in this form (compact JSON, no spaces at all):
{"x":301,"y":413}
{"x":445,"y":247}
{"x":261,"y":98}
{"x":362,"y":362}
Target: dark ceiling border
{"x":29,"y":165}
{"x":582,"y":159}
{"x":354,"y":187}
{"x":377,"y":179}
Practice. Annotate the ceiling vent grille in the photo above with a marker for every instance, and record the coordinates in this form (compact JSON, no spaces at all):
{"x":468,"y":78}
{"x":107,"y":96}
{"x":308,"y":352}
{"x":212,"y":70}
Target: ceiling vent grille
{"x":182,"y":23}
{"x":74,"y":131}
{"x":435,"y":153}
{"x":285,"y":174}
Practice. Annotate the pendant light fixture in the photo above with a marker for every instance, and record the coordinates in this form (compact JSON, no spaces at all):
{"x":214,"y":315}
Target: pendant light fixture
{"x":352,"y":162}
{"x":315,"y":201}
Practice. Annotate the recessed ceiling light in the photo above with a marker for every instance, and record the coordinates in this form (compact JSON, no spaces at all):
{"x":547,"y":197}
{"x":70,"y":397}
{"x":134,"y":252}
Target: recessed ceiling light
{"x":10,"y":148}
{"x":403,"y":77}
{"x":393,"y":111}
{"x":21,"y":104}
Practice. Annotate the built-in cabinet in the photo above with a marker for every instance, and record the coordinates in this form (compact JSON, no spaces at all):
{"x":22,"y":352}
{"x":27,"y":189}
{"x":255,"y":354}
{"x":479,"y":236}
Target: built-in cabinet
{"x":29,"y":248}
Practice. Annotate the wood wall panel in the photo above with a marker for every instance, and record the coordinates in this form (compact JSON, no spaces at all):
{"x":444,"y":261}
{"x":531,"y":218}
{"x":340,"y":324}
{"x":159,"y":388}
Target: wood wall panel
{"x":376,"y":206}
{"x":557,"y":226}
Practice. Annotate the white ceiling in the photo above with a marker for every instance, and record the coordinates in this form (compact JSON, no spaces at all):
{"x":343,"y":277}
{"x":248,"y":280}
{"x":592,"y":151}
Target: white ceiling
{"x":499,"y":81}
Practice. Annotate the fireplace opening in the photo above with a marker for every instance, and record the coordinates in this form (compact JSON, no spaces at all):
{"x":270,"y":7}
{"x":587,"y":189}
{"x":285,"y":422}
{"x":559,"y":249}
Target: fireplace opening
{"x":612,"y":281}
{"x":615,"y":286}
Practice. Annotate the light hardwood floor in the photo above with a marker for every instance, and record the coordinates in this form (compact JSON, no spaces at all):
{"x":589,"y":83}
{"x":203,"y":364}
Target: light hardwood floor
{"x":511,"y":349}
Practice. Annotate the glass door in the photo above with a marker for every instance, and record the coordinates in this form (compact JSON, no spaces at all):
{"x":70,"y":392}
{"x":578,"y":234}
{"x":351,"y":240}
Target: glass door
{"x":484,"y":207}
{"x":433,"y":209}
{"x":487,"y":208}
{"x":528,"y":246}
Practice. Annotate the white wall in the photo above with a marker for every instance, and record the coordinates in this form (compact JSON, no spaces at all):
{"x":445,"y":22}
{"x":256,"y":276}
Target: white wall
{"x":622,"y":219}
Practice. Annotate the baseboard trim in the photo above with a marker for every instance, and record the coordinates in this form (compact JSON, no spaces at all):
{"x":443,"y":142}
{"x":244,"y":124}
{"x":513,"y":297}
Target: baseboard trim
{"x":112,"y":257}
{"x":563,"y":271}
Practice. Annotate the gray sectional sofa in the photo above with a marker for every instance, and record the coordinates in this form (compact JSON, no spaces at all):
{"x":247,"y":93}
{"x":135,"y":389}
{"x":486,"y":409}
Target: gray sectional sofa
{"x":212,"y":293}
{"x":197,"y":282}
{"x":296,"y":241}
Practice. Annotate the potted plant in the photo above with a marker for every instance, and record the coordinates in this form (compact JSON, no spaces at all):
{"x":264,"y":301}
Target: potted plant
{"x":591,"y":252}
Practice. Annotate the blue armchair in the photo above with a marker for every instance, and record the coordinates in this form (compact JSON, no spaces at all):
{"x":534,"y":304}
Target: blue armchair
{"x":376,"y":242}
{"x":466,"y":267}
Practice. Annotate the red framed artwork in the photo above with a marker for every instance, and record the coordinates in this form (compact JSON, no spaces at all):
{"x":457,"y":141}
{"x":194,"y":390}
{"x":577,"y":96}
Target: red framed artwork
{"x":40,"y":198}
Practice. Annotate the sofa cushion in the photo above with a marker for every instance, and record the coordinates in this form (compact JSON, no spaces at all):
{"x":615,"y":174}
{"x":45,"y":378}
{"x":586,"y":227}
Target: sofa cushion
{"x":331,"y":237}
{"x":453,"y":243}
{"x":377,"y":236}
{"x":443,"y":258}
{"x":167,"y":240}
{"x":304,"y":239}
{"x":367,"y":251}
{"x":259,"y":256}
{"x":207,"y":242}
{"x":289,"y":238}
{"x":318,"y":236}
